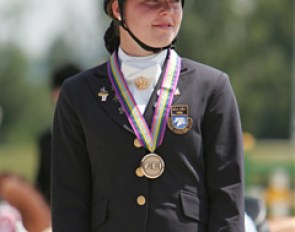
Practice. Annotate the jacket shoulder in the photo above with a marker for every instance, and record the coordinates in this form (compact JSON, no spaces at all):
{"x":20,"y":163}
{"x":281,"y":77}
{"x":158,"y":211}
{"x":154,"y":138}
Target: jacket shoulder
{"x":205,"y":75}
{"x":199,"y":68}
{"x":80,"y":80}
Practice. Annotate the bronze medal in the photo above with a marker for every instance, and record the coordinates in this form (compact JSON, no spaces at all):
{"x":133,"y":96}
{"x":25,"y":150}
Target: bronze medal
{"x":151,"y":137}
{"x":152,"y":166}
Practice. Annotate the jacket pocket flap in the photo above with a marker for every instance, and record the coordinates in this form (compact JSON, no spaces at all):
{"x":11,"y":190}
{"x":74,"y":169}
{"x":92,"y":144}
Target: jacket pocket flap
{"x":99,"y":213}
{"x":193,"y":208}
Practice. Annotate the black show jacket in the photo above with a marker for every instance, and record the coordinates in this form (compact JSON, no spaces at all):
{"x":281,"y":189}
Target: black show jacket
{"x":95,"y":187}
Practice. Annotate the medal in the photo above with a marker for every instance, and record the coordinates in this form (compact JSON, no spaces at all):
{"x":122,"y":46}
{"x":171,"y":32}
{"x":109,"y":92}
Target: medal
{"x":152,"y":166}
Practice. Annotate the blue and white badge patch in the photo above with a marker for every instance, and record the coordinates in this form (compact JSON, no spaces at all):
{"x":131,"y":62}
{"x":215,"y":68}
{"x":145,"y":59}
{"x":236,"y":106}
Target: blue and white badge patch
{"x":179,"y":122}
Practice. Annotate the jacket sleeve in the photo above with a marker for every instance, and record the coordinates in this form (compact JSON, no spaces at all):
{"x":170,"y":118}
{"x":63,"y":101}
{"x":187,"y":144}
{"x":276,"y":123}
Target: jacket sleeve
{"x":224,"y":159}
{"x":42,"y":181}
{"x":71,"y":175}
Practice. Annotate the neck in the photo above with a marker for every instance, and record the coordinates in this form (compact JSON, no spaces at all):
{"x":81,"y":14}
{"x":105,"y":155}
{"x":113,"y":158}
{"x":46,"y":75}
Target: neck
{"x":134,"y":50}
{"x":142,"y":62}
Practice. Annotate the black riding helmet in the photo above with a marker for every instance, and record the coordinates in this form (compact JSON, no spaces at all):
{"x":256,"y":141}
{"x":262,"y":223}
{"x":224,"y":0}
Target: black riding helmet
{"x":121,"y":6}
{"x":123,"y":24}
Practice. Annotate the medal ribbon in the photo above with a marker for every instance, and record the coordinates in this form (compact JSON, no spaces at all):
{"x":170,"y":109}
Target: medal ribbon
{"x":153,"y":138}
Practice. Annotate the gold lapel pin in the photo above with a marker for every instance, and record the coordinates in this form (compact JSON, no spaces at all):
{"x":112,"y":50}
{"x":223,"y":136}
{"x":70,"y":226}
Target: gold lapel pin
{"x":142,"y":83}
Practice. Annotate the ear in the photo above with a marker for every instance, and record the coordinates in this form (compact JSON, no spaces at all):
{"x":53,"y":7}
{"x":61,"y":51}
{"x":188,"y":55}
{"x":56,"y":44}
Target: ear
{"x":116,"y":10}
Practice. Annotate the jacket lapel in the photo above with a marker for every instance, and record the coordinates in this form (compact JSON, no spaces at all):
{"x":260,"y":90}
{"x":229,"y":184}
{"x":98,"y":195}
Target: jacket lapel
{"x":111,"y":106}
{"x":150,"y":109}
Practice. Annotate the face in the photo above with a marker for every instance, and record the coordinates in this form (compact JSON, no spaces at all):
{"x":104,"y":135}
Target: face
{"x":154,"y":22}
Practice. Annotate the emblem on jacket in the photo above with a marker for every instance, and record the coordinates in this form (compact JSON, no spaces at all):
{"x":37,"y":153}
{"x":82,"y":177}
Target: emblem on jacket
{"x":103,"y":93}
{"x":179,"y":122}
{"x":142,"y":83}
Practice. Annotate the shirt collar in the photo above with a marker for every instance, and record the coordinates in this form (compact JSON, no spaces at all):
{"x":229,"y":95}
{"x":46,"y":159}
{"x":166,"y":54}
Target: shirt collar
{"x":142,"y":62}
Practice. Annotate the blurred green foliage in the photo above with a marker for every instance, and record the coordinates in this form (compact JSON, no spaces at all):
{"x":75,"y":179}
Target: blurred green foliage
{"x":25,"y":103}
{"x":19,"y":159}
{"x":251,"y":40}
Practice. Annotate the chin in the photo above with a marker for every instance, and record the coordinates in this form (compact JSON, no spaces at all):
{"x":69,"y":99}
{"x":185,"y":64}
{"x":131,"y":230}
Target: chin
{"x":160,"y":43}
{"x":164,"y":44}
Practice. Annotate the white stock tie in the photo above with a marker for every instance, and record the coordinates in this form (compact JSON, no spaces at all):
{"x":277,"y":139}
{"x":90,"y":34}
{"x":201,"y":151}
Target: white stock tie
{"x":141,"y":82}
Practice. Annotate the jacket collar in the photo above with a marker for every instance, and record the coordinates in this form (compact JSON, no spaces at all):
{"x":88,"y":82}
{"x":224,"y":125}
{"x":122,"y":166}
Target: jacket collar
{"x":112,"y":106}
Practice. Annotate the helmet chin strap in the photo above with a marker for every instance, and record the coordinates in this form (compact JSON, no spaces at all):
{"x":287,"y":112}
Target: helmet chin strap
{"x":143,"y":45}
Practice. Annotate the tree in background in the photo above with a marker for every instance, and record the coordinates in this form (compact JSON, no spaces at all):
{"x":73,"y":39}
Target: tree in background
{"x":22,"y":103}
{"x":252,"y":41}
{"x":24,"y":69}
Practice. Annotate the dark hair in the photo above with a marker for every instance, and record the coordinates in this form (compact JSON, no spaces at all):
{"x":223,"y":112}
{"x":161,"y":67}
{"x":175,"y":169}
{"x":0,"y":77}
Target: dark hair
{"x":63,"y":72}
{"x":111,"y":37}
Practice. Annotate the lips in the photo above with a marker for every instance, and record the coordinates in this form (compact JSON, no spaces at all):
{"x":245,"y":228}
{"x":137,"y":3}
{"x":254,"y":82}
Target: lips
{"x":163,"y":25}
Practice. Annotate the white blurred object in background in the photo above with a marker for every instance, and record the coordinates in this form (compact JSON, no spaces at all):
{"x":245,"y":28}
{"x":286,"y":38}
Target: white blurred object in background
{"x":10,"y":219}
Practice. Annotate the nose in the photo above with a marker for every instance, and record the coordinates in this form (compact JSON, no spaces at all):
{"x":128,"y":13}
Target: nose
{"x":166,"y":7}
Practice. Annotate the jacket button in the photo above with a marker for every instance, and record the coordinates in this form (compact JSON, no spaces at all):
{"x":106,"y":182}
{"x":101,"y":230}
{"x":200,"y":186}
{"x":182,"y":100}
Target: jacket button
{"x":141,"y":200}
{"x":137,"y":143}
{"x":139,"y":172}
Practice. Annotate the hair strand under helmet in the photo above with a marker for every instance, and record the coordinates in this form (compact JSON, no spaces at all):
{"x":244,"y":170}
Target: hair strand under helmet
{"x":108,"y":10}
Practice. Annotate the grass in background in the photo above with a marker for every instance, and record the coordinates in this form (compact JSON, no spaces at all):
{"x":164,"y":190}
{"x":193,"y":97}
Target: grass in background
{"x":267,"y":156}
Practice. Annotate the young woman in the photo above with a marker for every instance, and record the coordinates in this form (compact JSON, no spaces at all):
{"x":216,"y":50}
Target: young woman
{"x":149,"y":141}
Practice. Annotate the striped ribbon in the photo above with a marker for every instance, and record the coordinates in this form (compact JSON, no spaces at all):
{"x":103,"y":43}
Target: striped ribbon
{"x":150,"y":139}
